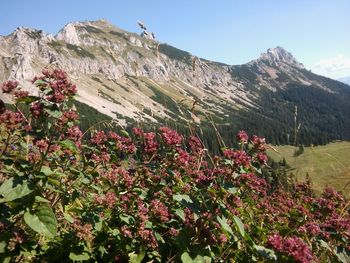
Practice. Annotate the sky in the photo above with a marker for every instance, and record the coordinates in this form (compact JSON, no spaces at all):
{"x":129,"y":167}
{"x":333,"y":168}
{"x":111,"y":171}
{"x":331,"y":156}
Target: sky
{"x":316,"y":32}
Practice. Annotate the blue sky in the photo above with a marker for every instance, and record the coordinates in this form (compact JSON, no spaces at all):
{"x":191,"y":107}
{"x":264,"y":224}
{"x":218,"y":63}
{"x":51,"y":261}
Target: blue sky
{"x":316,"y":32}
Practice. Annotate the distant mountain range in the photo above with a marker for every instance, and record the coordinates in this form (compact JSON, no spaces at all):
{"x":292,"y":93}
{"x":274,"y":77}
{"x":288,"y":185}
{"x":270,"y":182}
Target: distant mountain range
{"x":134,"y":78}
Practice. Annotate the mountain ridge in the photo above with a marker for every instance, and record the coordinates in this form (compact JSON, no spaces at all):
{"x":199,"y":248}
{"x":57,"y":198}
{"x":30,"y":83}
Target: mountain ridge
{"x":130,"y":77}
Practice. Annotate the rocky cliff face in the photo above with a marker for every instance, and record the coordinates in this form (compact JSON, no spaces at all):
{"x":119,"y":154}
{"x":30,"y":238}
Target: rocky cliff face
{"x":126,"y":75}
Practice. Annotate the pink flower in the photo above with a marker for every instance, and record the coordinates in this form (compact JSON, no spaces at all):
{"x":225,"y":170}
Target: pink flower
{"x":259,"y":143}
{"x":74,"y":133}
{"x":242,"y":137}
{"x":262,"y":158}
{"x":160,"y":210}
{"x":21,"y":94}
{"x":9,"y":86}
{"x":222,"y":238}
{"x":195,"y":144}
{"x":137,"y":131}
{"x":292,"y":246}
{"x":99,"y":138}
{"x":42,"y":145}
{"x":36,"y":109}
{"x":170,"y":137}
{"x":239,"y":157}
{"x":11,"y":119}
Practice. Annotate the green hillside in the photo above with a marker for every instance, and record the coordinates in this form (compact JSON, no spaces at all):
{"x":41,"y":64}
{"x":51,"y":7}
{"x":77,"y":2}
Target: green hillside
{"x":326,"y":165}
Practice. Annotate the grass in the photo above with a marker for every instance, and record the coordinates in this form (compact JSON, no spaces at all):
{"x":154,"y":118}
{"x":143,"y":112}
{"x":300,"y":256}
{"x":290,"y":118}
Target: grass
{"x":327,"y":165}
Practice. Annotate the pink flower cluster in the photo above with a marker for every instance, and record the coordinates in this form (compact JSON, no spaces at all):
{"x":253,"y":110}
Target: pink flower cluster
{"x":238,"y":157}
{"x":58,"y":83}
{"x":259,"y":143}
{"x":11,"y":120}
{"x":160,"y":210}
{"x":292,"y":246}
{"x":108,"y":200}
{"x":170,"y":136}
{"x":242,"y":137}
{"x":9,"y":86}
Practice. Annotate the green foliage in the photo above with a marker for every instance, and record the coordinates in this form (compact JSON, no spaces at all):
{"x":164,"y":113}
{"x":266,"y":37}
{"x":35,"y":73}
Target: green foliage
{"x":42,"y":221}
{"x":149,"y":196}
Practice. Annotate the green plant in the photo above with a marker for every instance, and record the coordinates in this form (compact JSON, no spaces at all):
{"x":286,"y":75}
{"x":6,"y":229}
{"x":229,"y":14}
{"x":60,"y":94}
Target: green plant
{"x":147,"y":196}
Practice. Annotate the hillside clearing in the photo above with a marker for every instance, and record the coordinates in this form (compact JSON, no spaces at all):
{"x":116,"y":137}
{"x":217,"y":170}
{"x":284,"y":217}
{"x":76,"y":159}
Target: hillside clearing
{"x":327,"y":165}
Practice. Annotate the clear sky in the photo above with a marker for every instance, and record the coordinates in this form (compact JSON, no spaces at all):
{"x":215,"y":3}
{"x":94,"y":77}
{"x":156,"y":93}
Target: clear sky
{"x":316,"y":32}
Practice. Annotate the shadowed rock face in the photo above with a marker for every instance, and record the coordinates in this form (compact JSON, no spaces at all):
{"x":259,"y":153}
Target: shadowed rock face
{"x":125,"y":75}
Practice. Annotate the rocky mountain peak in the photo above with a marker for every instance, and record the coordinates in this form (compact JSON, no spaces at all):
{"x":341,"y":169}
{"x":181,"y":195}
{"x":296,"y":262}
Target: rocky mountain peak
{"x":276,"y":56}
{"x":69,"y":34}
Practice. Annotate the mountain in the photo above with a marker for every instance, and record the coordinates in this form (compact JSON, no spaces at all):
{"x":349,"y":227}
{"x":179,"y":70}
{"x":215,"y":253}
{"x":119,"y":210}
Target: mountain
{"x":133,"y":78}
{"x":345,"y":80}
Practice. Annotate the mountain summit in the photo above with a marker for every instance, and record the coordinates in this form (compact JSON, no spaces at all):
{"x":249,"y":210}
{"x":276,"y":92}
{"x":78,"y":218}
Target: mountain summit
{"x":133,"y":78}
{"x":276,"y":56}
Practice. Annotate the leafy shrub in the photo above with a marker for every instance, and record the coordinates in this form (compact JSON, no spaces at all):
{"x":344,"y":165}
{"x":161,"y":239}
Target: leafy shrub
{"x":146,"y":196}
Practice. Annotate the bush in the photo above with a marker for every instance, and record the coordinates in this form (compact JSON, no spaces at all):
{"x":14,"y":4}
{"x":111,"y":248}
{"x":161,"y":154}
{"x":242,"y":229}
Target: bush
{"x":146,"y":196}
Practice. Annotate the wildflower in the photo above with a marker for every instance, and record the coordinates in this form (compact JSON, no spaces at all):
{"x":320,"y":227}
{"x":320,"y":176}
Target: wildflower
{"x":74,"y":133}
{"x":170,"y":137}
{"x":42,"y":145}
{"x":83,"y":231}
{"x":36,"y":109}
{"x":173,"y":232}
{"x":126,"y":231}
{"x":99,"y":138}
{"x":239,"y":157}
{"x":9,"y":86}
{"x":11,"y":119}
{"x":160,"y":210}
{"x":137,"y":131}
{"x":195,"y":144}
{"x":148,"y":237}
{"x":222,"y":238}
{"x":150,"y":144}
{"x":262,"y":158}
{"x":69,"y":116}
{"x":292,"y":246}
{"x":242,"y":137}
{"x":21,"y":94}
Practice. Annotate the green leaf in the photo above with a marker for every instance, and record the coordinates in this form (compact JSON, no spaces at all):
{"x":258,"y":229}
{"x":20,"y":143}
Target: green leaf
{"x":223,"y":222}
{"x":79,"y":257}
{"x":3,"y":245}
{"x":68,"y":144}
{"x":201,"y":259}
{"x":265,"y":252}
{"x":342,"y":255}
{"x":53,"y":113}
{"x":180,"y":213}
{"x":46,"y":170}
{"x":136,"y":258}
{"x":68,"y":217}
{"x":126,"y":218}
{"x":159,"y":237}
{"x":186,"y":258}
{"x":40,"y":82}
{"x":43,"y":221}
{"x":232,"y":190}
{"x":41,"y":199}
{"x":28,"y":99}
{"x":239,"y":225}
{"x":14,"y":188}
{"x":181,"y":198}
{"x":124,"y":133}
